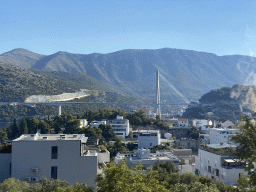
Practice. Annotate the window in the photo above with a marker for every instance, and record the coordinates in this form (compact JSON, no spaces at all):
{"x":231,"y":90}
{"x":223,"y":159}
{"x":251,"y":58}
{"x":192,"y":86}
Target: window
{"x":197,"y":172}
{"x":10,"y":170}
{"x":217,"y":172}
{"x":209,"y":169}
{"x":54,"y":172}
{"x":54,"y":152}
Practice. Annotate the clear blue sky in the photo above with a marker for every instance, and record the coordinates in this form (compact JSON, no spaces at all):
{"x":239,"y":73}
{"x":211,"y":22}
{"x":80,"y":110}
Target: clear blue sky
{"x":223,"y":27}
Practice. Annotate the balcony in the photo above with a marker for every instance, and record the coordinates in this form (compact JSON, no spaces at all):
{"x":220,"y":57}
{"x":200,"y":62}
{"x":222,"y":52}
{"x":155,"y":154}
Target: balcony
{"x":232,"y":164}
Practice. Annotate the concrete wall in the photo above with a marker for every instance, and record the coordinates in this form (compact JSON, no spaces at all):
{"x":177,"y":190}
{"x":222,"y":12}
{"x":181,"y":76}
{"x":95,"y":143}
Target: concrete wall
{"x":145,"y":141}
{"x":103,"y":157}
{"x":72,"y":167}
{"x":5,"y":160}
{"x":206,"y":159}
{"x":221,"y":135}
{"x":180,"y":132}
{"x":188,"y":143}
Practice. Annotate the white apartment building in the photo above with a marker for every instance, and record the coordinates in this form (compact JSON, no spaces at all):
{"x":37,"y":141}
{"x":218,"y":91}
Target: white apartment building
{"x":146,"y":158}
{"x":150,"y":115}
{"x":148,"y":138}
{"x":55,"y":156}
{"x":182,"y":122}
{"x":201,"y":122}
{"x":98,"y":123}
{"x":120,"y":126}
{"x":221,"y":135}
{"x":222,"y":168}
{"x":226,"y":123}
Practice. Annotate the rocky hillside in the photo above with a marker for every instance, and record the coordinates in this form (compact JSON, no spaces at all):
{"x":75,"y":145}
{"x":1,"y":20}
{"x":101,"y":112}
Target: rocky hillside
{"x":134,"y":71}
{"x":224,"y":103}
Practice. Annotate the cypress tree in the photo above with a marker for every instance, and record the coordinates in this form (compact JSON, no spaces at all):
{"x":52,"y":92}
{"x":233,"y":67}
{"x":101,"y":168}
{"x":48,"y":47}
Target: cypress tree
{"x":15,"y":129}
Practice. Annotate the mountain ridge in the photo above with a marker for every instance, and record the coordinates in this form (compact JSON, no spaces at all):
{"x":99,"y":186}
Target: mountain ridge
{"x":133,"y":71}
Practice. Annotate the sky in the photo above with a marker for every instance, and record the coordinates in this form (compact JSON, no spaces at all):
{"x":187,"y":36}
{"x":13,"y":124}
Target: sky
{"x":222,"y":27}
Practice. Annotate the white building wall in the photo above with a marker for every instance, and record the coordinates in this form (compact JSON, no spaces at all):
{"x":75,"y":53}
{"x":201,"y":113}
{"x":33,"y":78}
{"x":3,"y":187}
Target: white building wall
{"x":226,"y":124}
{"x":183,"y":122}
{"x":72,"y":167}
{"x":200,"y":122}
{"x":148,"y":141}
{"x":218,"y":135}
{"x":206,"y":159}
{"x":121,"y":126}
{"x":103,"y":157}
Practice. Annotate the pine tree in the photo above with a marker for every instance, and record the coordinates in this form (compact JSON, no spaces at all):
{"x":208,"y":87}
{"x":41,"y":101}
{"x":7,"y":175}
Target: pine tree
{"x":23,"y":127}
{"x":15,"y":129}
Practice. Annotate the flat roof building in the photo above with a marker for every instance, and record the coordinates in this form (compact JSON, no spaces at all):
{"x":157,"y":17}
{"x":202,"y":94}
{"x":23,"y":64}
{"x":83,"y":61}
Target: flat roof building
{"x":148,"y":138}
{"x":120,"y":126}
{"x":213,"y":161}
{"x":55,"y":156}
{"x":146,"y":158}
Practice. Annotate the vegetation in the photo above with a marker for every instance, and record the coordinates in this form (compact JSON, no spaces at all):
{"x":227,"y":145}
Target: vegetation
{"x":162,"y":176}
{"x":84,"y":81}
{"x":17,"y":83}
{"x":44,"y":185}
{"x":225,"y":103}
{"x":160,"y":147}
{"x":246,"y":137}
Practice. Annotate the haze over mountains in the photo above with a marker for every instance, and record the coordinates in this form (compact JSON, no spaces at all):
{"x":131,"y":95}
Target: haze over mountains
{"x":133,"y":72}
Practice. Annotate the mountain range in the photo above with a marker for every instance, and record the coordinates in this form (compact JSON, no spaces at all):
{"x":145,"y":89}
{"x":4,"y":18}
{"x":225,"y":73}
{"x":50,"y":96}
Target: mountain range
{"x":133,"y":72}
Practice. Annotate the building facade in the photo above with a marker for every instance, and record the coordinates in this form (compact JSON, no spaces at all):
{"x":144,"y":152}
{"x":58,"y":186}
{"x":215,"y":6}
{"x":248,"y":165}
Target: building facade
{"x":218,"y":166}
{"x":182,"y":122}
{"x":120,"y":126}
{"x":148,"y":139}
{"x":55,"y":156}
{"x":221,"y":135}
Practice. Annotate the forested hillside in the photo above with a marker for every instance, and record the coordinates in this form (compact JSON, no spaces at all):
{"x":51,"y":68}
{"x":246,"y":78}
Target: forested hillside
{"x":81,"y":80}
{"x":18,"y":83}
{"x":225,"y":103}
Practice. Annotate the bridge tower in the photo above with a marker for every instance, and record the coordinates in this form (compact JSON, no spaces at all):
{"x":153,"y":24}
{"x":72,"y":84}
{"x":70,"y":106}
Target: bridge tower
{"x":59,"y":111}
{"x":158,"y":110}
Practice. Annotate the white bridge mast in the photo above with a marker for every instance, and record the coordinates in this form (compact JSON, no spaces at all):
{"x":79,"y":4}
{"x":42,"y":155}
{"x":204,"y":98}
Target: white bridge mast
{"x":158,"y":110}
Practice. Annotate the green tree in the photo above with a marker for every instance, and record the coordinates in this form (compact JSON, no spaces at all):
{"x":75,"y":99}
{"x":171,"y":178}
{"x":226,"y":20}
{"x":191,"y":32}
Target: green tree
{"x":119,"y":178}
{"x":136,"y":121}
{"x":15,"y":129}
{"x":107,"y":131}
{"x":160,"y":147}
{"x":45,"y":128}
{"x":9,"y":132}
{"x":23,"y":127}
{"x":72,"y":126}
{"x":80,"y":188}
{"x":246,"y":137}
{"x":13,"y":185}
{"x":32,"y":125}
{"x":56,"y":127}
{"x":3,"y":136}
